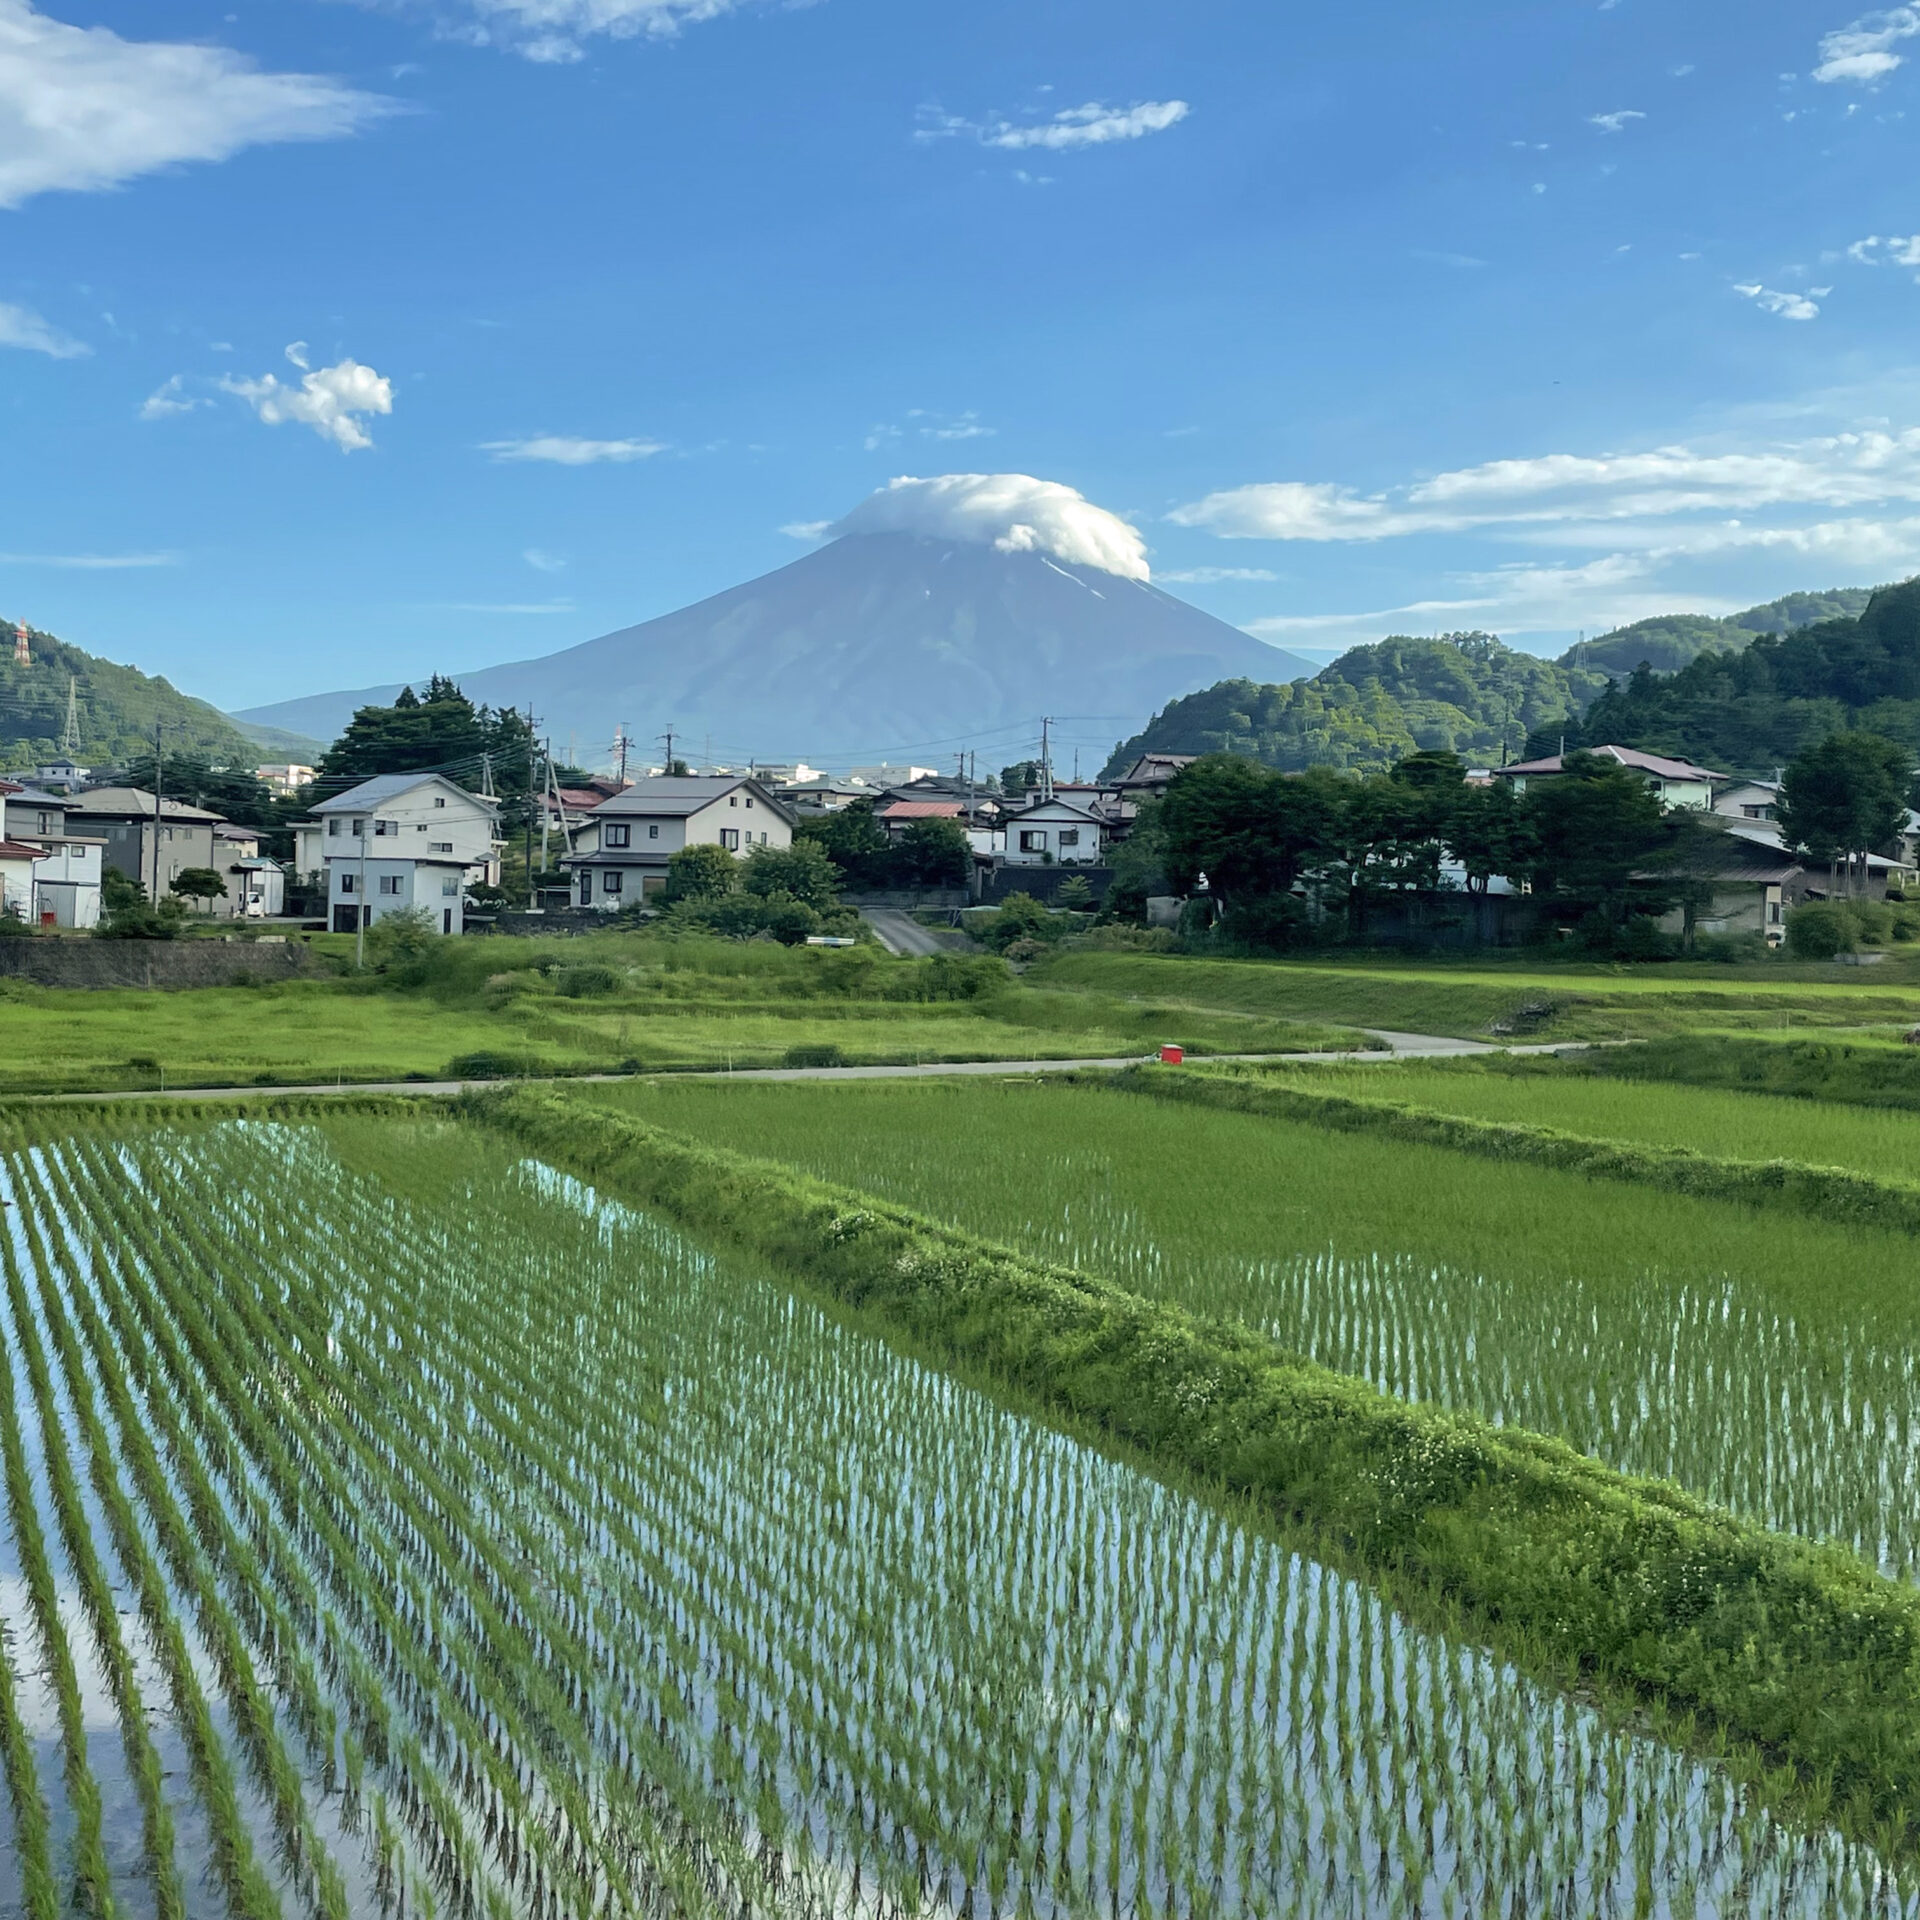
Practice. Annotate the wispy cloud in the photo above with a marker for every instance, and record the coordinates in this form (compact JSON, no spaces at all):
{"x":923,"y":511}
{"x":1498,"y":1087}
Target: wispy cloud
{"x":1788,"y":306}
{"x":542,"y":561}
{"x":1216,"y":576}
{"x":925,"y":425}
{"x":1434,"y":258}
{"x":330,"y":400}
{"x":806,"y":529}
{"x":550,"y":32}
{"x":564,"y":450}
{"x":509,"y":606}
{"x":1864,"y":51}
{"x":170,"y":397}
{"x":22,"y":327}
{"x":82,"y":109}
{"x":1892,"y":251}
{"x":1614,"y":122}
{"x":90,"y":562}
{"x":1093,"y":125}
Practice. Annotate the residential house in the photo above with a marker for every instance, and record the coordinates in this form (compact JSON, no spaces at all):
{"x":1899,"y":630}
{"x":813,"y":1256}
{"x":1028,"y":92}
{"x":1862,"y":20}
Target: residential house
{"x":406,"y":841}
{"x":1754,"y":881}
{"x":1750,"y":800}
{"x":17,"y":860}
{"x":63,"y":774}
{"x":1057,"y":831}
{"x":284,"y":777}
{"x":152,"y":844}
{"x":65,"y":878}
{"x":1152,"y":774}
{"x":1679,"y":783}
{"x":619,"y":856}
{"x":821,"y":795}
{"x":256,"y":886}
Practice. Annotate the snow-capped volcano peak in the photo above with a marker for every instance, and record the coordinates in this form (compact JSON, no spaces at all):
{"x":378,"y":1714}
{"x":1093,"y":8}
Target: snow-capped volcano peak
{"x":1012,"y":512}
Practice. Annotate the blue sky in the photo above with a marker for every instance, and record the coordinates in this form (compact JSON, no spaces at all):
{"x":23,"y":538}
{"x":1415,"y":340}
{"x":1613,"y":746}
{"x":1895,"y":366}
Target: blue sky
{"x":346,"y":342}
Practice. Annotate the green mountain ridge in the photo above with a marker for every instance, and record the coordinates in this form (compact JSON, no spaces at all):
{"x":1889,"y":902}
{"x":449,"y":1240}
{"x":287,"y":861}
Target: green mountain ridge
{"x":1466,"y":693}
{"x":117,"y":707}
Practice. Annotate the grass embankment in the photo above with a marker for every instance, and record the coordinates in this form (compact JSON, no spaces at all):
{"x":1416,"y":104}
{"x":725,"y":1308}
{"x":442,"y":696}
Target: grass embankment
{"x":1868,"y":1071}
{"x":1734,"y":1349}
{"x":1583,"y":1094}
{"x":1794,"y":1650}
{"x":608,"y":1003}
{"x":1528,"y":1001}
{"x":1829,"y":1192}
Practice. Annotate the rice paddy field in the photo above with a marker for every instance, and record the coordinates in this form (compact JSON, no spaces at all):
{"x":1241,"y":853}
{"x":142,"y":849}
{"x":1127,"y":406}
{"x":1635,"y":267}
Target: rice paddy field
{"x":1740,"y":1126}
{"x":1767,"y":1361}
{"x":460,"y":1540}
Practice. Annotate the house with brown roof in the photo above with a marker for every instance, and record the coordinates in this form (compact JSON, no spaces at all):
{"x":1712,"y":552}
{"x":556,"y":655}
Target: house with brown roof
{"x":1679,"y":783}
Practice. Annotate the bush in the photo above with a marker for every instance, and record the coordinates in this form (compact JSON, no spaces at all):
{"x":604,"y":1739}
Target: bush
{"x":800,"y":872}
{"x":395,"y":938}
{"x":1820,"y":930}
{"x":1021,"y":917}
{"x":701,"y":873}
{"x":746,"y":916}
{"x":814,"y":1056}
{"x":1873,"y":921}
{"x":586,"y":983}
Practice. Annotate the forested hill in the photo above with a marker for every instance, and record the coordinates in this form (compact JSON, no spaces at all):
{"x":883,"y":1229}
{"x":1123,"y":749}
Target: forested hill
{"x":1752,"y":711}
{"x":117,"y":709}
{"x":1376,"y":703}
{"x":1668,"y":642}
{"x":1463,"y":691}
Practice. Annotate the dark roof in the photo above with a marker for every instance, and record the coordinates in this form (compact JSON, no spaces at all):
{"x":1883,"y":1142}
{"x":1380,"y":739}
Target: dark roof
{"x":133,"y":803}
{"x":673,"y":796}
{"x":1656,"y":764}
{"x":617,"y":857}
{"x":390,"y":786}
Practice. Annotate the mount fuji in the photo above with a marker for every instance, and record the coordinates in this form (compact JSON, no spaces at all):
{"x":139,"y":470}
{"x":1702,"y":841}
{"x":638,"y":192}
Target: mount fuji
{"x":944,"y":613}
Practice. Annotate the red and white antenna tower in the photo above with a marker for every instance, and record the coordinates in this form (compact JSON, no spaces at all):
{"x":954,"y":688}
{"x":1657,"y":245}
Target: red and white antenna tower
{"x":22,"y":650}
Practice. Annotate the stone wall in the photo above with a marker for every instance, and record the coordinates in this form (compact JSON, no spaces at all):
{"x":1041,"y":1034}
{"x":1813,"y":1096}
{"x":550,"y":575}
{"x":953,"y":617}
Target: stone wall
{"x":149,"y":963}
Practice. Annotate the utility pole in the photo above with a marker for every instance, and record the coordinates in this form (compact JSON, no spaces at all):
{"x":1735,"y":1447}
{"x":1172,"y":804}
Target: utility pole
{"x":1046,"y":758}
{"x":530,"y":792}
{"x":620,"y":747}
{"x":668,"y":738}
{"x":159,"y":786}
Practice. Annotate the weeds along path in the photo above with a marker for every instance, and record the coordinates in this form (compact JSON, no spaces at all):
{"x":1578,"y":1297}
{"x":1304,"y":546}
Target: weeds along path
{"x":580,"y":1571}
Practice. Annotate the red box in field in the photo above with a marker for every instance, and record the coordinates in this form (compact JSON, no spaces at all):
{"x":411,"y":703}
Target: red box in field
{"x":1172,"y":1056}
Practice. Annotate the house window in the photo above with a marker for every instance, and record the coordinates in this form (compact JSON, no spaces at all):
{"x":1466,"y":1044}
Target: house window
{"x":46,"y":823}
{"x":335,"y":826}
{"x":749,"y":800}
{"x":612,"y":880}
{"x":586,"y":888}
{"x":449,"y":889}
{"x":1069,"y":836}
{"x":439,"y":846}
{"x":730,"y":839}
{"x":346,"y":883}
{"x":733,"y":799}
{"x":390,"y":883}
{"x":439,"y":799}
{"x":616,"y":836}
{"x":653,"y":833}
{"x":359,"y":827}
{"x":1033,"y":840}
{"x":382,"y":828}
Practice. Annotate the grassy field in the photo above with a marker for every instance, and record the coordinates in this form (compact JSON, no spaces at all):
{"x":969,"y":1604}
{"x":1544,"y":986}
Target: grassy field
{"x":600,"y":1005}
{"x":1767,"y":1362}
{"x":1736,"y":1125}
{"x":1531,"y":1001}
{"x":567,"y":1556}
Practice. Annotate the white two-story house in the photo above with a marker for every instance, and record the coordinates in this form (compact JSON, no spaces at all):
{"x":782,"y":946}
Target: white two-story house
{"x":619,"y":856}
{"x":59,"y":884}
{"x":1055,"y":832}
{"x":405,"y":840}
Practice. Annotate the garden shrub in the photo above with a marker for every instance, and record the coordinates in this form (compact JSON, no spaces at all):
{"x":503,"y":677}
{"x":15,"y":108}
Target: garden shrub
{"x":1820,"y":930}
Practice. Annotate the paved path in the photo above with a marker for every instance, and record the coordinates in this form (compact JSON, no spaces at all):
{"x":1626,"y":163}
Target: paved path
{"x":1400,"y":1046}
{"x":901,"y":933}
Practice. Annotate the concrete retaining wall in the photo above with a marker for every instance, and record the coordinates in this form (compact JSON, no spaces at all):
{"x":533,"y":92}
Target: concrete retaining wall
{"x":98,"y":964}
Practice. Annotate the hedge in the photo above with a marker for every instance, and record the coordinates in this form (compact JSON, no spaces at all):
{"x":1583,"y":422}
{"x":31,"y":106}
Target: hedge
{"x":1797,"y":1654}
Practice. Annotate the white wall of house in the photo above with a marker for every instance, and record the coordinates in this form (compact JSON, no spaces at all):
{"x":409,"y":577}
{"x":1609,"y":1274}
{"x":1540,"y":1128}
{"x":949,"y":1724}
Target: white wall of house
{"x":66,"y":883}
{"x":16,"y":886}
{"x":434,"y":820}
{"x":1052,"y":834}
{"x":435,"y":886}
{"x":635,"y":846}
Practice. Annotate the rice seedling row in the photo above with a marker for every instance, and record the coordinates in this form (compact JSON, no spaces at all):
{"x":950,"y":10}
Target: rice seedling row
{"x":632,"y":1584}
{"x":1769,"y":1363}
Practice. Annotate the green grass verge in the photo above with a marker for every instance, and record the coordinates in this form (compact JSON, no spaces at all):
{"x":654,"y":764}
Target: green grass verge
{"x":1473,"y":1000}
{"x":1645,"y":1593}
{"x":1854,"y":1072}
{"x":1834,"y":1194}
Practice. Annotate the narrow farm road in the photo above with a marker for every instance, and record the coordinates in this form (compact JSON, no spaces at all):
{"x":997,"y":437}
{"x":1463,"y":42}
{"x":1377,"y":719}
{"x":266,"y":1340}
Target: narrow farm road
{"x":900,"y":933}
{"x":1400,"y":1046}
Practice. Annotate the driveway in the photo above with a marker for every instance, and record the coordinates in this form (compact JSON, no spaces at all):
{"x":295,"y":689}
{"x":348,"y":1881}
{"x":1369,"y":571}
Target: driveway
{"x":901,"y":933}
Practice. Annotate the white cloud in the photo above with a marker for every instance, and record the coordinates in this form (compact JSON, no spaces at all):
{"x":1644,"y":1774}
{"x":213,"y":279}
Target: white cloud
{"x":1789,"y":306}
{"x":1011,"y":511}
{"x":1892,"y":251}
{"x":563,"y":450}
{"x":807,"y":529}
{"x":1864,"y":51}
{"x":167,"y":399}
{"x":550,"y":31}
{"x":1563,"y":491}
{"x":82,"y":109}
{"x":22,"y":327}
{"x":1215,"y":576}
{"x":515,"y":606}
{"x":328,"y":399}
{"x":543,"y":562}
{"x":1614,"y":122}
{"x":90,"y":562}
{"x":1093,"y":125}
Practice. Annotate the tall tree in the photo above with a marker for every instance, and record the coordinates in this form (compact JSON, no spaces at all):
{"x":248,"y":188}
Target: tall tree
{"x":1845,"y":798}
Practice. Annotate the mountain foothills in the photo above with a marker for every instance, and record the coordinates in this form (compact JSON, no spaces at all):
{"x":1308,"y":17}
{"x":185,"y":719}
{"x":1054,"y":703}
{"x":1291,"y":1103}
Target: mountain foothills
{"x":877,"y":640}
{"x":115,"y":708}
{"x":1469,"y":694}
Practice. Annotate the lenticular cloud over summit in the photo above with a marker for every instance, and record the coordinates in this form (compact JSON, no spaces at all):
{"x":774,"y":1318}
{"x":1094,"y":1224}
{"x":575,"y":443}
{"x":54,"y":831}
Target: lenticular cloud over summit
{"x":1012,"y":512}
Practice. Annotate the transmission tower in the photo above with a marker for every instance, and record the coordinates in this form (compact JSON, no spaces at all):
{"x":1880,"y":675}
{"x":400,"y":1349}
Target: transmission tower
{"x":70,"y":734}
